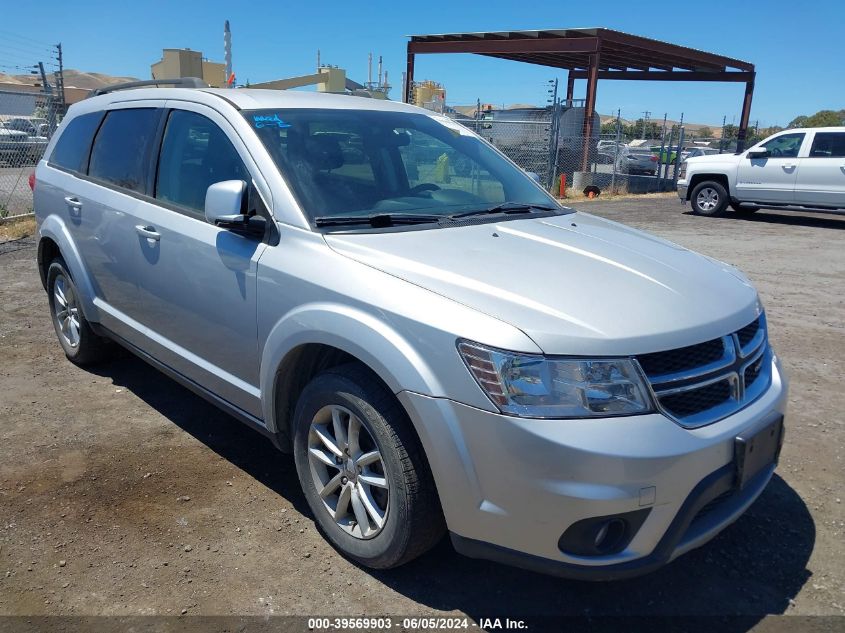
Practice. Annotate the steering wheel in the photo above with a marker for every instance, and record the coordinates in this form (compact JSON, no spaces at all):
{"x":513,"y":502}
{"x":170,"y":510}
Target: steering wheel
{"x":777,"y":151}
{"x":423,"y":186}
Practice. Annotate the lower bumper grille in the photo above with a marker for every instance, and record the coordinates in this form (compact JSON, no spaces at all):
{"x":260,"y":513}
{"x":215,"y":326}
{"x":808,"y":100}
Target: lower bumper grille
{"x":703,"y":383}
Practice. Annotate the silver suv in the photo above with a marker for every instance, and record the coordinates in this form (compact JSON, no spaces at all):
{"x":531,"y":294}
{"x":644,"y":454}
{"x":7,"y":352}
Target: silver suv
{"x":438,"y":342}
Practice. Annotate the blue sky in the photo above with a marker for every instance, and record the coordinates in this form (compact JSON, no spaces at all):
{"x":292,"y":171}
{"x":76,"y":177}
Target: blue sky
{"x":796,"y":47}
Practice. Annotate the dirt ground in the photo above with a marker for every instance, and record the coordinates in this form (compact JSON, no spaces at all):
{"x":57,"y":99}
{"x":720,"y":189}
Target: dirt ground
{"x":122,"y":493}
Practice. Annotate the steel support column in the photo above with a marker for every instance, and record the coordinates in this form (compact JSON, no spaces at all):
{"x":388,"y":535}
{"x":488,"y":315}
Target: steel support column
{"x":409,"y":76}
{"x":746,"y":114}
{"x":589,"y":109}
{"x":570,"y":89}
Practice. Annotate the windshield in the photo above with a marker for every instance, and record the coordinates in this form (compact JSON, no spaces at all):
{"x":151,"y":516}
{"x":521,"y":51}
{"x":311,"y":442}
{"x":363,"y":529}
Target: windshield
{"x":366,"y":163}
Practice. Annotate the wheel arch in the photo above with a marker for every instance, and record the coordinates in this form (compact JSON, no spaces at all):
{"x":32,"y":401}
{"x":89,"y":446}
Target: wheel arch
{"x":697,"y":179}
{"x":316,"y":337}
{"x":55,"y":240}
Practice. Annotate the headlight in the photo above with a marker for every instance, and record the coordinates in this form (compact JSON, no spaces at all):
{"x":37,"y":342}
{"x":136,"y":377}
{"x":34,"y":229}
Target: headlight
{"x":682,"y":171}
{"x":539,"y":387}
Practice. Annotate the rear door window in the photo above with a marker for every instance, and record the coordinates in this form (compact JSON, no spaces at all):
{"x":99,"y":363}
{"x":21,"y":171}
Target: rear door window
{"x":828,"y":145}
{"x":121,"y":152}
{"x":74,"y":145}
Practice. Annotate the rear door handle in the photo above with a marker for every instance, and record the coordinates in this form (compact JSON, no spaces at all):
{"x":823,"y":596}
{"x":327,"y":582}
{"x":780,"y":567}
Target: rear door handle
{"x":148,"y":231}
{"x":789,"y":166}
{"x":73,"y":202}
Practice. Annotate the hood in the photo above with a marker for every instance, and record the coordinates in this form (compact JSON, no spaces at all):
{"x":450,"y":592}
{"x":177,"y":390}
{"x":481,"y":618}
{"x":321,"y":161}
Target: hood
{"x":576,"y":284}
{"x":727,"y":157}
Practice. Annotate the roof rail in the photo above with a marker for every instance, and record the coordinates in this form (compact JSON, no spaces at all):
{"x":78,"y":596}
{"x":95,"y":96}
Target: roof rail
{"x":179,"y":82}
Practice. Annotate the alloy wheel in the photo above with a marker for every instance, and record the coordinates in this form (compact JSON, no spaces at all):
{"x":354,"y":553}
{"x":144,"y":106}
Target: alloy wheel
{"x":348,"y":471}
{"x":66,"y":310}
{"x":707,"y":199}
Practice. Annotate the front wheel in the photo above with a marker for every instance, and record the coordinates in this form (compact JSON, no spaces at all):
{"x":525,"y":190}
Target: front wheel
{"x":363,"y":471}
{"x":709,"y":198}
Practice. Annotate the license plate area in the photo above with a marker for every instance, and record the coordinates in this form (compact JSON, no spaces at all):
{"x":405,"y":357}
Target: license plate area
{"x":755,"y":451}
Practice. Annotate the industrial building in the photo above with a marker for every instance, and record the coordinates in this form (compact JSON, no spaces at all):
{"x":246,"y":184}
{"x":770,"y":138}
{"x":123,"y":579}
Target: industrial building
{"x":184,"y":62}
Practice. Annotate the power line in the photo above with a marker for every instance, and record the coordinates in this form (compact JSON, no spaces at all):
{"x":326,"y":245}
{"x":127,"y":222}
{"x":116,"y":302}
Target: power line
{"x":27,"y":40}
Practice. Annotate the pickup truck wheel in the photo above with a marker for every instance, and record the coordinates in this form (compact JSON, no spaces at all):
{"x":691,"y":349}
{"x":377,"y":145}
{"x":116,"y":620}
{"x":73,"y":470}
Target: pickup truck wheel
{"x":79,"y":342}
{"x":746,"y":209}
{"x":709,"y":198}
{"x":363,"y":471}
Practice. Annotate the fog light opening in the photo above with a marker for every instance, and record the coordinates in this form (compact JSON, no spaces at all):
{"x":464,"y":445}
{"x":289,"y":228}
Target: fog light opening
{"x":609,"y":535}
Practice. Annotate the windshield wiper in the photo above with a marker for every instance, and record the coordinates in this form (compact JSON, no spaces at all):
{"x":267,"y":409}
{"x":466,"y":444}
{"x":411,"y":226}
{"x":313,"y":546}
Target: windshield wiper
{"x":377,"y":220}
{"x":507,"y":208}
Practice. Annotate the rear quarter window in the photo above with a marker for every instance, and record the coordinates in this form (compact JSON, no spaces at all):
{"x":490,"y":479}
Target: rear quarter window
{"x":121,"y":152}
{"x":74,"y":144}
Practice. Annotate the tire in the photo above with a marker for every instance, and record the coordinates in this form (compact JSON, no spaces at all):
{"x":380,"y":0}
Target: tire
{"x":709,"y":198}
{"x":79,"y":342}
{"x":747,"y":209}
{"x":351,"y":396}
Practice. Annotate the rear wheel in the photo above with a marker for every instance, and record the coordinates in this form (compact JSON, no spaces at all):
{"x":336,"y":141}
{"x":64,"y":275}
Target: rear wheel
{"x":79,"y":342}
{"x":363,"y":471}
{"x":709,"y":198}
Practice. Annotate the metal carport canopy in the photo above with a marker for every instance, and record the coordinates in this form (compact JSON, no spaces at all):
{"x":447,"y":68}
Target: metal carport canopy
{"x":593,"y":54}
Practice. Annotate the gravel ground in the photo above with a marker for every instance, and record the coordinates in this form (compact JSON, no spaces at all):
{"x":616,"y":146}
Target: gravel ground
{"x":124,"y":494}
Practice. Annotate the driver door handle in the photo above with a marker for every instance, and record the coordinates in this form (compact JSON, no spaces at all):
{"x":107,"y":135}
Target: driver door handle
{"x":789,"y":165}
{"x":148,"y":231}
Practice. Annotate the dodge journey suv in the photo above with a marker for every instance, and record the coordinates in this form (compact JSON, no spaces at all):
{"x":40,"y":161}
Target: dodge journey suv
{"x":439,"y":344}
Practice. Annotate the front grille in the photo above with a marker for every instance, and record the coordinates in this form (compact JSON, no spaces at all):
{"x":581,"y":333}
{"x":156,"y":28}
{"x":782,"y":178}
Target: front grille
{"x":746,"y":334}
{"x":695,"y":401}
{"x":713,"y":504}
{"x":752,"y":372}
{"x":702,"y":383}
{"x":682,"y":359}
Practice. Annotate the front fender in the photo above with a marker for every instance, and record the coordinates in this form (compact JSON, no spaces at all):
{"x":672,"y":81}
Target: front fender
{"x":370,"y":340}
{"x":54,"y":228}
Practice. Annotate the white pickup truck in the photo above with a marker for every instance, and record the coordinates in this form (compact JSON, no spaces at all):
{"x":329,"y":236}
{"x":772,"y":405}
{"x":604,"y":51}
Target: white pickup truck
{"x":799,"y":167}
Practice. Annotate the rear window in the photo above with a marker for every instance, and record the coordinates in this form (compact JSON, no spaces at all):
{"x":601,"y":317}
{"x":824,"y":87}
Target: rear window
{"x":121,"y":152}
{"x":71,"y":151}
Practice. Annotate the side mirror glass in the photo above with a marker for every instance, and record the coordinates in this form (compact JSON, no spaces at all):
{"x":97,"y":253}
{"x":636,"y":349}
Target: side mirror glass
{"x":534,"y":176}
{"x":758,"y":153}
{"x":225,"y":203}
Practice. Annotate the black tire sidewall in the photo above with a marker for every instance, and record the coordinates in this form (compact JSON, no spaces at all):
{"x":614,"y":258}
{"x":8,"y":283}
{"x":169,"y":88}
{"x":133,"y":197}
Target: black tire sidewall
{"x":57,"y":267}
{"x":389,"y":544}
{"x":723,"y":198}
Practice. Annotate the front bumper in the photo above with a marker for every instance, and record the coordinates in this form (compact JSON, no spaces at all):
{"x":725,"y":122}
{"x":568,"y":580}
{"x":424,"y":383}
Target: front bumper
{"x":682,"y":192}
{"x":510,"y":487}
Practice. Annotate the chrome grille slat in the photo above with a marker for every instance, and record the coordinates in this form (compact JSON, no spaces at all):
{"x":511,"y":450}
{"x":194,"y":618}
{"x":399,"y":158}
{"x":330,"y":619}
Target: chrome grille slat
{"x":717,"y":387}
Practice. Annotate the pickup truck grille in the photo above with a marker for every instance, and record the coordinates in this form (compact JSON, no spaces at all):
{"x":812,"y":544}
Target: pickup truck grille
{"x":700,"y":384}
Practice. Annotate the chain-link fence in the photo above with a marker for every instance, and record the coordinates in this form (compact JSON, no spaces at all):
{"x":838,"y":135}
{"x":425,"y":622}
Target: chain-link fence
{"x":550,"y":144}
{"x":27,"y":121}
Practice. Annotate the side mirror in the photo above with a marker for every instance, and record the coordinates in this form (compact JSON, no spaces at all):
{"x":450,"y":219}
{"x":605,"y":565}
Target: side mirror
{"x":225,"y":203}
{"x":534,"y":176}
{"x":758,"y":153}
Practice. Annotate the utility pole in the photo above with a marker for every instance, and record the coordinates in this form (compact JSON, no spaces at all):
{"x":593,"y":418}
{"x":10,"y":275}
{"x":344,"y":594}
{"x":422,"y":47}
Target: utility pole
{"x":553,"y":134}
{"x":646,"y":114}
{"x":60,"y":78}
{"x":722,"y":135}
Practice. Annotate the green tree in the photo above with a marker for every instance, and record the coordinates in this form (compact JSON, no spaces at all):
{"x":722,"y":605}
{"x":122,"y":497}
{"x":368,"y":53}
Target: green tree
{"x":608,"y":128}
{"x":822,"y":118}
{"x":704,"y":132}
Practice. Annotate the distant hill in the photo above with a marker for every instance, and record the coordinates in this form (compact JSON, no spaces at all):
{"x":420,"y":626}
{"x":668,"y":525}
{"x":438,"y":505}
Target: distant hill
{"x":73,"y":79}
